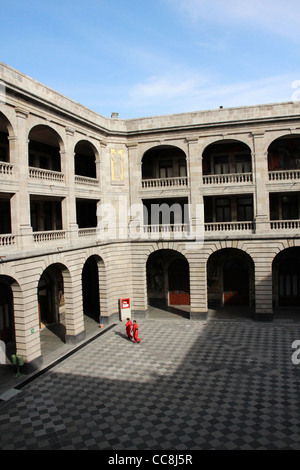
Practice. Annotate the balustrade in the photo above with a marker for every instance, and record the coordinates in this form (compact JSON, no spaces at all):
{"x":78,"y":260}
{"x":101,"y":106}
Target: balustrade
{"x":177,"y":182}
{"x":87,"y":232}
{"x":228,"y":226}
{"x":284,"y":175}
{"x":49,"y":236}
{"x":7,"y":240}
{"x":166,"y":228}
{"x":86,"y":180}
{"x":284,"y":224}
{"x":6,"y":169}
{"x":232,"y":178}
{"x":48,"y":175}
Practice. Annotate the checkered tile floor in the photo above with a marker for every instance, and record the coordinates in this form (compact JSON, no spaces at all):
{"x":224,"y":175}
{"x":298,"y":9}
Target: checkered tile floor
{"x":188,"y":385}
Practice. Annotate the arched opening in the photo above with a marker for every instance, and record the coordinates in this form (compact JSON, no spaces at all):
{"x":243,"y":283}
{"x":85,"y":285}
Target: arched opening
{"x":4,"y":141}
{"x":227,"y":157}
{"x":51,"y":300}
{"x":164,"y":162}
{"x":90,"y":289}
{"x":168,"y":283}
{"x":236,"y":282}
{"x":284,"y":153}
{"x":286,"y":279}
{"x":179,"y":282}
{"x":85,"y":161}
{"x":230,"y":279}
{"x":7,"y":327}
{"x":44,"y":148}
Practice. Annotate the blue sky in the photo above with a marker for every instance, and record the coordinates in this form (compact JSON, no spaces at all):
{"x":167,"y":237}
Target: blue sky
{"x":146,"y":58}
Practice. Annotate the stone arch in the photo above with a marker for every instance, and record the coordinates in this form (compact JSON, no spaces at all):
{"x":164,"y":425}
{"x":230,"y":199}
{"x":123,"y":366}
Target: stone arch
{"x":10,"y":307}
{"x":286,"y":278}
{"x":164,"y":161}
{"x":6,"y":131}
{"x":284,"y":152}
{"x":94,"y":289}
{"x":227,"y":156}
{"x":167,"y":274}
{"x":230,"y":278}
{"x":54,"y":295}
{"x":85,"y":156}
{"x":45,"y":146}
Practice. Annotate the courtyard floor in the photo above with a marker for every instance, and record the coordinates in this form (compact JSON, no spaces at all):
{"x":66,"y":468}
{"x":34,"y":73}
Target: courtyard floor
{"x":226,"y":383}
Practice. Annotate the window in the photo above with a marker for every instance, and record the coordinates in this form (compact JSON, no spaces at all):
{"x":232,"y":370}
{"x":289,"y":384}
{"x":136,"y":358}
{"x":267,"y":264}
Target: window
{"x":221,"y":165}
{"x":245,"y":209}
{"x":289,"y":207}
{"x":223,"y":210}
{"x":166,"y":169}
{"x":243,"y":164}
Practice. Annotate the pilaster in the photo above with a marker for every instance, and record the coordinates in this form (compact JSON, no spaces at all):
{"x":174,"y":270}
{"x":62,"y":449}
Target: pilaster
{"x":260,"y":159}
{"x":20,"y":203}
{"x":68,"y":168}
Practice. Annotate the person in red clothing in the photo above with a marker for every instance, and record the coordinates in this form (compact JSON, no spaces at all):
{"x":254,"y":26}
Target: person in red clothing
{"x":135,"y":330}
{"x":128,"y":328}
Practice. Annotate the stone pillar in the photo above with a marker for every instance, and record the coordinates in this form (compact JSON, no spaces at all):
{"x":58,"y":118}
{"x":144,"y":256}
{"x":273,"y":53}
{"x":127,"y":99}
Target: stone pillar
{"x":27,"y":328}
{"x":263,"y":285}
{"x":136,"y":221}
{"x":260,"y":171}
{"x":196,"y":207}
{"x":198,"y":287}
{"x":69,"y":203}
{"x":75,"y":331}
{"x":20,"y":202}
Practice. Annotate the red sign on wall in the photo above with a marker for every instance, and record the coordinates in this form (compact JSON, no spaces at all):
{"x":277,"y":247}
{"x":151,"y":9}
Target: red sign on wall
{"x":125,"y":303}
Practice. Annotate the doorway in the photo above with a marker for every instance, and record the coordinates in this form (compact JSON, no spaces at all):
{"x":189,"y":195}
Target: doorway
{"x":179,"y":283}
{"x":6,"y":314}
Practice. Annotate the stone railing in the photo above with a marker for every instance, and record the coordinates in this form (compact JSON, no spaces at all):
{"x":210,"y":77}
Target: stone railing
{"x":87,"y":232}
{"x":166,"y":228}
{"x":48,"y":175}
{"x":177,"y":182}
{"x":49,"y":236}
{"x":228,"y":226}
{"x":232,"y":178}
{"x":86,"y":180}
{"x":285,"y":224}
{"x":7,"y":240}
{"x":6,"y":169}
{"x":284,"y":175}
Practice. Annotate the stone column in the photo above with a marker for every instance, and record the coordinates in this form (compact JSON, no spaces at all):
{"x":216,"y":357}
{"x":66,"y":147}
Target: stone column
{"x":136,"y":221}
{"x":69,"y":203}
{"x":196,"y":207}
{"x":261,"y":177}
{"x":263,"y":284}
{"x":20,"y":202}
{"x":198,"y":287}
{"x":75,"y":331}
{"x":27,"y":329}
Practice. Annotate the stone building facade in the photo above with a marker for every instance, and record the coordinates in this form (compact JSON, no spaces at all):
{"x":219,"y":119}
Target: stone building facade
{"x":199,"y":209}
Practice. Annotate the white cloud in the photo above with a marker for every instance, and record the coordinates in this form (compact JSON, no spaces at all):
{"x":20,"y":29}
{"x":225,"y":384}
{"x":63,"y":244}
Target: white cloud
{"x":165,"y":87}
{"x":278,"y":16}
{"x":176,"y":94}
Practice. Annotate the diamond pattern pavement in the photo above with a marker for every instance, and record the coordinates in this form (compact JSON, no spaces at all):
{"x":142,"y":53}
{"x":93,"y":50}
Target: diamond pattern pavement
{"x":187,"y":386}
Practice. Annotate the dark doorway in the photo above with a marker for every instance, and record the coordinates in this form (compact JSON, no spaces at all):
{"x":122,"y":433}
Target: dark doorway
{"x":179,"y":283}
{"x":289,"y":283}
{"x":6,"y":314}
{"x":236,"y":282}
{"x":168,"y":280}
{"x":51,"y":296}
{"x":90,"y":289}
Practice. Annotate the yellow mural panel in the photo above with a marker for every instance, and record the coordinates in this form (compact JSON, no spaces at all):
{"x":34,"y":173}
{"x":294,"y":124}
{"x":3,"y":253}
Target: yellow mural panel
{"x":117,"y":165}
